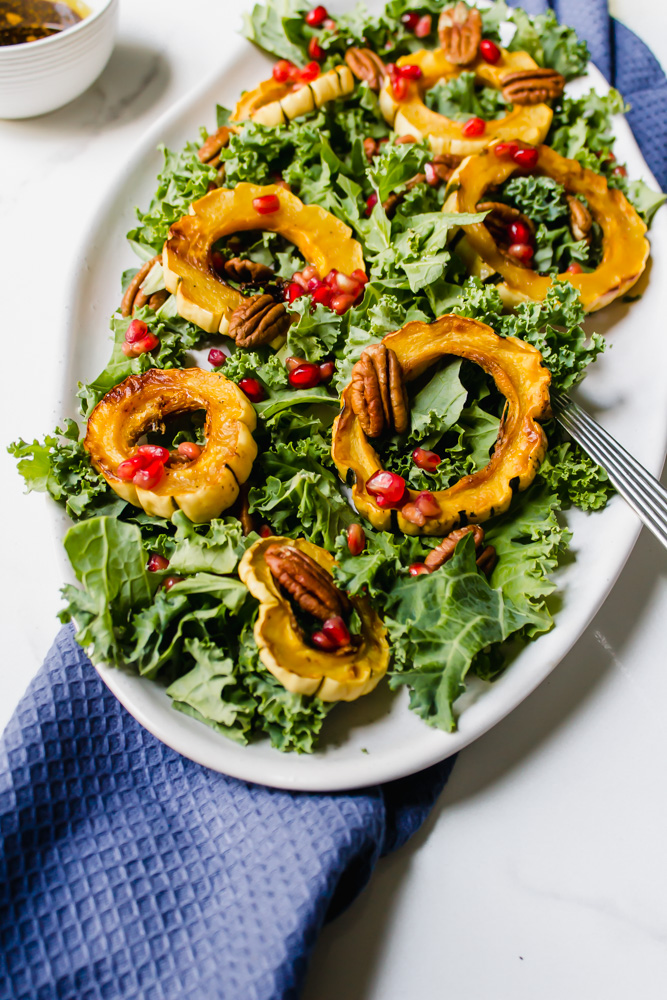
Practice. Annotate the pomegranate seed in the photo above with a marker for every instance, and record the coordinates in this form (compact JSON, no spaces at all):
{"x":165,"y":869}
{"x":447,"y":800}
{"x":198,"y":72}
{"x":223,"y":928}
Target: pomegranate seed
{"x":150,"y":452}
{"x":310,"y":71}
{"x":505,"y":149}
{"x":253,"y":390}
{"x":282,"y":70}
{"x":432,"y":178}
{"x":427,"y":504}
{"x":620,"y":172}
{"x":149,"y":343}
{"x":410,"y":72}
{"x":309,"y":272}
{"x":522,"y":251}
{"x":327,"y":368}
{"x":329,"y":24}
{"x":336,"y":630}
{"x":412,"y":513}
{"x":217,"y":260}
{"x":294,"y":291}
{"x":315,"y":50}
{"x":526,"y":157}
{"x":305,"y":376}
{"x":299,"y":279}
{"x":266,"y":204}
{"x":216,"y":357}
{"x":156,"y":563}
{"x":330,"y":279}
{"x":400,"y":87}
{"x":316,"y":16}
{"x":473,"y":127}
{"x":418,"y":568}
{"x":423,"y":26}
{"x":347,"y":284}
{"x":427,"y":460}
{"x":391,"y":504}
{"x":323,"y":642}
{"x":402,"y":140}
{"x":519,"y":232}
{"x":489,"y":51}
{"x":314,"y":284}
{"x":293,"y":362}
{"x":128,"y":469}
{"x":360,"y":276}
{"x":265,"y":531}
{"x":341,"y":303}
{"x":171,"y":581}
{"x":137,"y":330}
{"x":574,"y":268}
{"x":371,"y":202}
{"x":150,"y":476}
{"x":322,"y":295}
{"x":188,"y":449}
{"x":410,"y":20}
{"x":388,"y":485}
{"x":356,"y":539}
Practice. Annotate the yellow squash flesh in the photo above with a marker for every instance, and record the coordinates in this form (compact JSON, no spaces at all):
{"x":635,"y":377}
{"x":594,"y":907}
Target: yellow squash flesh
{"x":411,"y":116}
{"x":273,"y":103}
{"x":202,"y":488}
{"x":202,"y":296}
{"x":299,"y":667}
{"x":519,"y":373}
{"x":625,"y":248}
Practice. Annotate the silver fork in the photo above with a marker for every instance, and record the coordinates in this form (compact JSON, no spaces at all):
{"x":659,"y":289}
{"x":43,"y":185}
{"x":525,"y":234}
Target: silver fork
{"x":641,"y":490}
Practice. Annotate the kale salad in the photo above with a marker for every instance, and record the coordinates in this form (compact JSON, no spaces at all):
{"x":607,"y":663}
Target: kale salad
{"x":338,"y":250}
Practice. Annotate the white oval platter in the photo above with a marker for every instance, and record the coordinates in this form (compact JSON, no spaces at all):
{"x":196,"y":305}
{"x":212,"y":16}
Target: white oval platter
{"x":378,"y":739}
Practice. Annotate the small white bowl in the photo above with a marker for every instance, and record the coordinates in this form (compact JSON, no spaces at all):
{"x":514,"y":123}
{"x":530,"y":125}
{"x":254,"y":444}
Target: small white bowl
{"x":36,"y":77}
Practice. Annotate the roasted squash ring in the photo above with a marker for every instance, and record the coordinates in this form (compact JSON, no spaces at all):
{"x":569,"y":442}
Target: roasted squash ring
{"x":273,"y":103}
{"x":411,"y":116}
{"x":203,"y":488}
{"x":625,"y":248}
{"x":299,"y":667}
{"x":202,"y":296}
{"x":519,"y":373}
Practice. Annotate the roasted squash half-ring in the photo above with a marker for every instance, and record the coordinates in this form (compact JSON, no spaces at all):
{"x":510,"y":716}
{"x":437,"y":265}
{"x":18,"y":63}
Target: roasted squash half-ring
{"x":299,"y":667}
{"x":410,"y":116}
{"x":519,"y":373}
{"x":273,"y":103}
{"x":202,"y":295}
{"x":202,"y":488}
{"x":625,"y":248}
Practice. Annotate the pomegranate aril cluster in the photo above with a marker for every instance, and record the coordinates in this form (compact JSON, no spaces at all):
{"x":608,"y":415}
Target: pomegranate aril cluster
{"x":138,"y":339}
{"x":333,"y":635}
{"x":337,"y":291}
{"x":419,"y":24}
{"x":145,"y":468}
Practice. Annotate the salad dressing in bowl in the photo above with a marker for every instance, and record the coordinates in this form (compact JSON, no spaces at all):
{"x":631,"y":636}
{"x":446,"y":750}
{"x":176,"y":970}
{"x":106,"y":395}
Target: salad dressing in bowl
{"x":31,"y":20}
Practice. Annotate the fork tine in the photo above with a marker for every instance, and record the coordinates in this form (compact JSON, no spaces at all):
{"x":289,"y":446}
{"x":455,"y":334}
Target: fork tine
{"x":641,"y":490}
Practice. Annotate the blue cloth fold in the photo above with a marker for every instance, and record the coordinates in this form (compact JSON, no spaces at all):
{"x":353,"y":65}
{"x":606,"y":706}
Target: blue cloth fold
{"x":130,"y":872}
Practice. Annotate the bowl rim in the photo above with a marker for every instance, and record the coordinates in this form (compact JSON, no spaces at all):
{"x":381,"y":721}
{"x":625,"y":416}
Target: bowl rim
{"x":40,"y":43}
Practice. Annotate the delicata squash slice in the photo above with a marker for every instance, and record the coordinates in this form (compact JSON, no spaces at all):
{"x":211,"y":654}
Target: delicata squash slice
{"x":411,"y":116}
{"x":625,"y":248}
{"x":519,"y":373}
{"x":203,"y":487}
{"x":273,"y":103}
{"x":202,"y":295}
{"x":343,"y":675}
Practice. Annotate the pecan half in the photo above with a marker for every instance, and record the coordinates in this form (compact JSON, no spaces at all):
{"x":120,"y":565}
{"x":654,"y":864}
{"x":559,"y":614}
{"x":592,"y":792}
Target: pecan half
{"x":378,"y":395}
{"x":499,"y":218}
{"x":486,"y":556}
{"x":366,"y":66}
{"x":258,"y":320}
{"x":532,"y":86}
{"x":248,"y":272}
{"x":134,"y":298}
{"x":460,"y":32}
{"x":307,"y":583}
{"x":241,"y":510}
{"x":158,"y":299}
{"x":581,"y":220}
{"x":209,"y":151}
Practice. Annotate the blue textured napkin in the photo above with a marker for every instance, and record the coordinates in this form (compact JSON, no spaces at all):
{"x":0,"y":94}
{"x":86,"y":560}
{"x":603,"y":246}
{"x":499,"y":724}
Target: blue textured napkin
{"x":130,"y":872}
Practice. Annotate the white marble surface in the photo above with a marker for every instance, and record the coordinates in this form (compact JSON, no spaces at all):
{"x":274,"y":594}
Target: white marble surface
{"x":541,"y":872}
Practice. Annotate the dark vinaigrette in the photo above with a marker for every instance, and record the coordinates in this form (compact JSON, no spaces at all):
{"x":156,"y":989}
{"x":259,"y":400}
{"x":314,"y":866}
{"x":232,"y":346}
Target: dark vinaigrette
{"x":29,"y":20}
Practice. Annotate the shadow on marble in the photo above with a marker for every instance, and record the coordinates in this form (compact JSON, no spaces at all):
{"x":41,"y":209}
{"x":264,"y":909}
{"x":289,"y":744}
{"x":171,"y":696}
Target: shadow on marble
{"x":134,"y":80}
